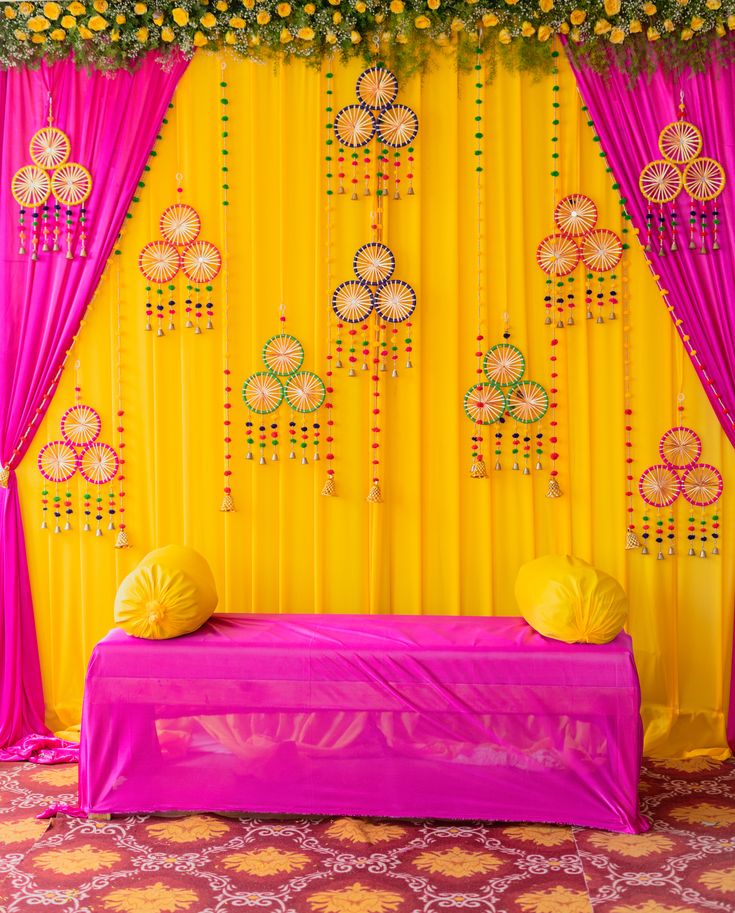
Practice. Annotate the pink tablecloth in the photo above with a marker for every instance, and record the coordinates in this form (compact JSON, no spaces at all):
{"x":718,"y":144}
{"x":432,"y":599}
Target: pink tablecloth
{"x":391,"y":716}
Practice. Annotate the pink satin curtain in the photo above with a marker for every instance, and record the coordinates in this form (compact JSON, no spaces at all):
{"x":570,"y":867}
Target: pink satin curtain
{"x":701,"y":287}
{"x":112,"y":121}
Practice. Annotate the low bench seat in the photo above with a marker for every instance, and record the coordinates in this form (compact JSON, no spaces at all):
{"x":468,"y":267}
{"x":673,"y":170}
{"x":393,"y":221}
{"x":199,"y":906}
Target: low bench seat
{"x":387,"y":716}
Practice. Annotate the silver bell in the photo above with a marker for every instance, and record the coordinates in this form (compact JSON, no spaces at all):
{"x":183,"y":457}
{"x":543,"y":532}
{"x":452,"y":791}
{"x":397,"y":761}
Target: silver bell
{"x":248,"y":455}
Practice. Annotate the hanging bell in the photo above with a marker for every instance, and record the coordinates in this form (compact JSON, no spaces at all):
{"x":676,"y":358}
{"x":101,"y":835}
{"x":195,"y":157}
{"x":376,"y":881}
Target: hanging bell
{"x":690,"y":553}
{"x":497,"y":465}
{"x":673,"y":247}
{"x":660,"y":556}
{"x":394,"y":372}
{"x":715,"y":551}
{"x":383,"y":366}
{"x":354,"y":195}
{"x":515,"y":465}
{"x":351,"y":373}
{"x":589,"y":315}
{"x":715,"y":246}
{"x":292,"y":455}
{"x":570,"y":322}
{"x":600,"y":319}
{"x":410,"y":192}
{"x":57,"y":528}
{"x":304,"y":461}
{"x":98,"y":532}
{"x":560,"y":324}
{"x":110,"y":526}
{"x":478,"y":469}
{"x":703,"y":553}
{"x":631,"y":540}
{"x":86,"y":528}
{"x":408,"y":363}
{"x":547,"y":322}
{"x":148,"y":327}
{"x":197,"y":330}
{"x":171,"y":326}
{"x":248,"y":455}
{"x":396,"y":195}
{"x":316,"y":457}
{"x":329,"y":489}
{"x":554,"y":490}
{"x":159,"y":332}
{"x":262,"y":461}
{"x":340,"y":190}
{"x":122,"y":539}
{"x":274,"y":458}
{"x":67,"y":526}
{"x":671,"y":550}
{"x":363,"y":366}
{"x":228,"y":504}
{"x":339,"y":363}
{"x":644,"y":550}
{"x":611,"y":316}
{"x":538,"y":465}
{"x":375,"y":495}
{"x":526,"y":471}
{"x":188,"y":325}
{"x":44,"y":525}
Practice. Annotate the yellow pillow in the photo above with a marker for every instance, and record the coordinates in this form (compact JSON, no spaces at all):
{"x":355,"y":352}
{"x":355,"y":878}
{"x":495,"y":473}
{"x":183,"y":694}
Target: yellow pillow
{"x":567,"y":599}
{"x":171,"y":592}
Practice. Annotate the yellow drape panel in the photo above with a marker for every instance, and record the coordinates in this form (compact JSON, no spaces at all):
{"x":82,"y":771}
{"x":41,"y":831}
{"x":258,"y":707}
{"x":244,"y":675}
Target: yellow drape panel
{"x":442,"y":542}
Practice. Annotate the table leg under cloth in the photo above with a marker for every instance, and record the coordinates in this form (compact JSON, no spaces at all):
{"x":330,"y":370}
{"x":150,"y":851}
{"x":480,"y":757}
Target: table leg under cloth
{"x":387,"y":716}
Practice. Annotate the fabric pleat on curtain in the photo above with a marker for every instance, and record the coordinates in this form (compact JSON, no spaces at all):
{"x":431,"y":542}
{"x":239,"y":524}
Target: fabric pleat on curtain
{"x":442,"y":543}
{"x":700,"y":287}
{"x":112,"y":122}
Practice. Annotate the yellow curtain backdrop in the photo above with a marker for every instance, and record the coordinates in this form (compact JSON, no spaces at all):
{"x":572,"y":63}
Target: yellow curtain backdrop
{"x":442,"y":542}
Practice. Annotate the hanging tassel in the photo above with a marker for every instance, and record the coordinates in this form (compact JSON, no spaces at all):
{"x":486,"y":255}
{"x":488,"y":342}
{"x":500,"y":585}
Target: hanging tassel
{"x":631,"y":540}
{"x":4,"y":476}
{"x":122,"y":539}
{"x":330,"y":489}
{"x":478,"y":470}
{"x":375,"y":496}
{"x":228,"y":504}
{"x":553,"y":491}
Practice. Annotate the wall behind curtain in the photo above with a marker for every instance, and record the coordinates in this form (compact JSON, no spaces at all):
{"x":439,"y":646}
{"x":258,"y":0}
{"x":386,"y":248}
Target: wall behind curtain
{"x":441,"y":542}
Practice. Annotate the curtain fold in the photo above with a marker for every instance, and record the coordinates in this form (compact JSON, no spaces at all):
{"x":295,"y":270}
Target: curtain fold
{"x":700,"y":287}
{"x":112,"y":121}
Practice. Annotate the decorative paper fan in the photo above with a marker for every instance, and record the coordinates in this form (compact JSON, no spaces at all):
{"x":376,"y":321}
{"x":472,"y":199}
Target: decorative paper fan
{"x":527,"y":401}
{"x":354,"y":126}
{"x":377,"y":87}
{"x":352,"y":301}
{"x":49,"y":147}
{"x":601,"y":250}
{"x":704,"y":179}
{"x":283,"y":354}
{"x":397,"y":126}
{"x":484,"y":403}
{"x":30,"y":186}
{"x":680,"y":142}
{"x":71,"y":184}
{"x":262,"y":392}
{"x":180,"y":224}
{"x":702,"y":485}
{"x":659,"y":486}
{"x":200,"y":261}
{"x":57,"y":461}
{"x":305,"y":392}
{"x":557,"y":255}
{"x":680,"y":448}
{"x":660,"y":181}
{"x":159,"y":261}
{"x":504,"y":364}
{"x":395,"y":301}
{"x":575,"y":214}
{"x":81,"y":424}
{"x":98,"y":463}
{"x":374,"y":263}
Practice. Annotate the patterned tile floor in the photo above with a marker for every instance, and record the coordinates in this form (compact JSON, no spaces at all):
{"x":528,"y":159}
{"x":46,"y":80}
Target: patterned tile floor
{"x":207,"y":864}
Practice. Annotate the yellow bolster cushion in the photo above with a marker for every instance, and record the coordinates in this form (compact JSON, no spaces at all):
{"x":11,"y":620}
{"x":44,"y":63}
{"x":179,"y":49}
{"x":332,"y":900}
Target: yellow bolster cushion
{"x":170,"y":593}
{"x":567,"y":599}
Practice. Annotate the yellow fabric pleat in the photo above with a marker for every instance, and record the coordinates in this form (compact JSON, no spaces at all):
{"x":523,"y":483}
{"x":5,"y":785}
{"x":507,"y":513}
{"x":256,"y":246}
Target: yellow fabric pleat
{"x":441,"y":543}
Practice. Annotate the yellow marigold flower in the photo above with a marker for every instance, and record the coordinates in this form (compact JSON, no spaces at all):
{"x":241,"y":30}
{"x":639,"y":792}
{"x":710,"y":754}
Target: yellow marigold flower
{"x":221,"y":5}
{"x":433,"y":4}
{"x":696,"y":23}
{"x":68,"y":22}
{"x":511,"y":2}
{"x":337,"y":17}
{"x":527,"y":29}
{"x":544,"y":33}
{"x":649,"y":9}
{"x":617,"y":36}
{"x":264,"y":17}
{"x":457,"y":25}
{"x":237,"y":22}
{"x":335,"y":2}
{"x":686,"y":34}
{"x":115,"y":35}
{"x":77,"y":9}
{"x":98,"y":24}
{"x":305,"y":33}
{"x":141,"y":34}
{"x":360,"y":7}
{"x":546,"y":5}
{"x":9,"y":12}
{"x":331,"y":38}
{"x":58,"y":34}
{"x":167,"y":33}
{"x":20,"y":34}
{"x":669,"y":25}
{"x":158,"y":18}
{"x":286,"y":36}
{"x":208,"y":20}
{"x":731,"y":23}
{"x":101,"y":5}
{"x":634,"y":26}
{"x":397,"y":6}
{"x":422,"y":22}
{"x":309,"y":9}
{"x":380,"y":17}
{"x":52,"y":11}
{"x":85,"y":33}
{"x":564,"y":28}
{"x":504,"y":36}
{"x":230,"y":38}
{"x":713,"y":4}
{"x":200,"y":39}
{"x":489,"y":20}
{"x":683,"y":2}
{"x":283,"y":10}
{"x":472,"y":1}
{"x":355,"y":37}
{"x":25,"y":9}
{"x":577,"y":17}
{"x":38,"y":39}
{"x":612,"y":7}
{"x":140,"y":8}
{"x":653,"y":34}
{"x":602,"y":27}
{"x":249,"y":4}
{"x":576,"y":35}
{"x":401,"y":39}
{"x":121,"y":18}
{"x":181,"y":16}
{"x":38,"y":24}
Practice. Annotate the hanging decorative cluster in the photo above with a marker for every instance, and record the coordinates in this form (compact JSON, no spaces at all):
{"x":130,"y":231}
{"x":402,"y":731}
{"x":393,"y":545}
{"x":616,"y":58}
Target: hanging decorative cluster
{"x":51,"y":182}
{"x":682,"y":170}
{"x":578,"y":241}
{"x":375,"y":117}
{"x":78,"y":451}
{"x":181,"y":249}
{"x":680,"y":474}
{"x":283,"y":383}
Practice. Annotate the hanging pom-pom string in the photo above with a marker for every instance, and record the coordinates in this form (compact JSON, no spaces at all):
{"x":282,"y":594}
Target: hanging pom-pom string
{"x":673,"y":247}
{"x":366,"y":347}
{"x":44,"y":507}
{"x":328,"y":489}
{"x":57,"y":231}
{"x":703,"y":229}
{"x":715,"y":533}
{"x":262,"y":443}
{"x":197,"y":310}
{"x":34,"y":235}
{"x":68,"y":511}
{"x":21,"y":231}
{"x":499,"y":445}
{"x":316,"y":432}
{"x":539,"y":449}
{"x":249,"y":440}
{"x":111,"y":509}
{"x":649,"y":228}
{"x":188,"y":306}
{"x":45,"y":246}
{"x":396,"y":174}
{"x":274,"y":441}
{"x":612,"y":296}
{"x":57,"y":510}
{"x":292,"y":438}
{"x":515,"y":435}
{"x":87,"y":498}
{"x":366,"y":161}
{"x":171,"y":307}
{"x":210,"y":308}
{"x":570,"y":299}
{"x":83,"y":231}
{"x":355,"y":157}
{"x":715,"y":224}
{"x":408,"y":344}
{"x":69,"y":232}
{"x":409,"y":174}
{"x":148,"y":308}
{"x":338,"y":344}
{"x":661,"y":230}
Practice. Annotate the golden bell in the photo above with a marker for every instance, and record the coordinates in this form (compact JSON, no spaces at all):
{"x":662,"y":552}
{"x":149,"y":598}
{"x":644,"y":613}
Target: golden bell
{"x":631,"y":540}
{"x":375,"y":496}
{"x":4,"y":476}
{"x":478,"y":470}
{"x":553,"y":491}
{"x":228,"y":504}
{"x":122,"y":540}
{"x":330,"y":489}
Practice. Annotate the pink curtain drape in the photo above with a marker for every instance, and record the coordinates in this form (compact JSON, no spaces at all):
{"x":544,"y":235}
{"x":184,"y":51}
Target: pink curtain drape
{"x":112,"y":121}
{"x":701,"y":287}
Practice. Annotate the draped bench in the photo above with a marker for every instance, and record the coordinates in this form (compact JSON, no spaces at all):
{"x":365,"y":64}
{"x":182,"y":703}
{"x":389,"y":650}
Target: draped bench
{"x":388,"y":716}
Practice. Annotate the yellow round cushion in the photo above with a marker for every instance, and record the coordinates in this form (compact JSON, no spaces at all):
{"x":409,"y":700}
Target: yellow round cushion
{"x":170,"y":593}
{"x":567,"y":599}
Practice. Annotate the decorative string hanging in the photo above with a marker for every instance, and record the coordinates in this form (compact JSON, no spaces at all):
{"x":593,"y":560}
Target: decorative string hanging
{"x":228,"y":503}
{"x":329,"y":489}
{"x":78,"y":450}
{"x":51,"y":182}
{"x":283,"y":383}
{"x":682,"y":169}
{"x":376,"y":117}
{"x":180,"y":249}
